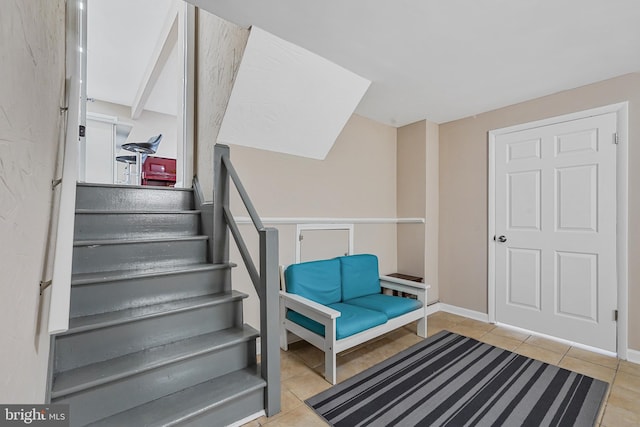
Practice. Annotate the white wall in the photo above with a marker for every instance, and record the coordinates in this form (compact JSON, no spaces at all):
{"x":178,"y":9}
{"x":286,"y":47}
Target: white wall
{"x":32,"y":36}
{"x":220,"y":46}
{"x":147,"y":125}
{"x":150,"y":123}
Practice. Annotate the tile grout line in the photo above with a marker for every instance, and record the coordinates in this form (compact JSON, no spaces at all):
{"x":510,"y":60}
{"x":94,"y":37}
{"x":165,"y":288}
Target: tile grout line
{"x":455,"y":320}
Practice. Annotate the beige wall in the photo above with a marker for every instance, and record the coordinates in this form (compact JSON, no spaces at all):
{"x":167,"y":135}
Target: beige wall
{"x":32,"y":70}
{"x":417,"y":196}
{"x":432,"y":226}
{"x":411,"y":196}
{"x":357,"y":179}
{"x":463,"y":189}
{"x":219,"y":48}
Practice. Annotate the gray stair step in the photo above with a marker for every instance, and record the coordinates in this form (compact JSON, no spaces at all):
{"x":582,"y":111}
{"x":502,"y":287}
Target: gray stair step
{"x":103,"y":320}
{"x":90,"y":256}
{"x":94,"y":293}
{"x":217,"y":402}
{"x":114,"y":397}
{"x":130,"y":197}
{"x":107,"y":371}
{"x":95,"y":338}
{"x":118,"y":275}
{"x":106,"y":224}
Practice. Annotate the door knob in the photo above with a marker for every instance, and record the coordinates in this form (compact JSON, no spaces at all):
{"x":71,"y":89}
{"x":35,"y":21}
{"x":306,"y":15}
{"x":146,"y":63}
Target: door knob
{"x":502,"y":239}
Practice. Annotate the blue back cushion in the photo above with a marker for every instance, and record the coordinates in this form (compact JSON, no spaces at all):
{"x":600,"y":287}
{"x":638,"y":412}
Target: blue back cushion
{"x":318,"y":281}
{"x":360,"y":276}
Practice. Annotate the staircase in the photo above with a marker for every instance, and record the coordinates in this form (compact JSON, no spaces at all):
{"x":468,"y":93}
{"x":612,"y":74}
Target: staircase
{"x":156,"y":336}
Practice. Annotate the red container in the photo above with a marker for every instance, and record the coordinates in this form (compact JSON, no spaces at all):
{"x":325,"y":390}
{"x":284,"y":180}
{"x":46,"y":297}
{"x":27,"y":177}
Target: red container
{"x":159,"y":172}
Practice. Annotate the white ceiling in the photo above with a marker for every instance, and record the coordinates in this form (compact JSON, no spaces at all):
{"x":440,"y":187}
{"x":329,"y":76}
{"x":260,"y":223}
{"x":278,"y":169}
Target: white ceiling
{"x":121,"y":38}
{"x":447,"y":59}
{"x":434,"y":59}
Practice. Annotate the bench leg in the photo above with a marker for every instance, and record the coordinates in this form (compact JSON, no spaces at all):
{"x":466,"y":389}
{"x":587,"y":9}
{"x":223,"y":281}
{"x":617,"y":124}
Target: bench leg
{"x":284,"y":344}
{"x":330,"y":354}
{"x":422,"y":327}
{"x":422,"y":323}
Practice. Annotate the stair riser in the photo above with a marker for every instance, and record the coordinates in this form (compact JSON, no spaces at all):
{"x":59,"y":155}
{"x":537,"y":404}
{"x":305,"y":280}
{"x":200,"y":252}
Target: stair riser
{"x":109,"y":399}
{"x":132,"y":198}
{"x":139,"y":256}
{"x":133,"y":226}
{"x":122,"y":294}
{"x":83,"y":348}
{"x":227,"y":414}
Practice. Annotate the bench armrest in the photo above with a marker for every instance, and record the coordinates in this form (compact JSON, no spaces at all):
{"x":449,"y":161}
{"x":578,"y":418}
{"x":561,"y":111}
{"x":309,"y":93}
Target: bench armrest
{"x":403,"y":285}
{"x":306,"y":307}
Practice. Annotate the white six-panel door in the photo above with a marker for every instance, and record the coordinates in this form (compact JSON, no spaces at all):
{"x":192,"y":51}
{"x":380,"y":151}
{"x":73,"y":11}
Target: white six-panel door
{"x":555,"y":226}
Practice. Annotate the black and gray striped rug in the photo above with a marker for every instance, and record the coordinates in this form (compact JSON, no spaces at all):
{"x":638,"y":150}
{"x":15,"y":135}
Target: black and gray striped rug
{"x":451,"y":380}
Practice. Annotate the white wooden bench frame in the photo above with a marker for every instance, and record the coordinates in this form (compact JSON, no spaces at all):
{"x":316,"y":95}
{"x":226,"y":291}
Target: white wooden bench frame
{"x":327,"y":316}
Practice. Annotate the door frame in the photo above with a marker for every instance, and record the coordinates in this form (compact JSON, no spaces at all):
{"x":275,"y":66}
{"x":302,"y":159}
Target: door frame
{"x":622,"y":113}
{"x":186,"y":85}
{"x":104,"y":118}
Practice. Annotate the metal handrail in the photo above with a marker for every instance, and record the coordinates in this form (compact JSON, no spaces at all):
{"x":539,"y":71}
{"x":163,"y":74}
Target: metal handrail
{"x":255,"y":218}
{"x":244,"y":252}
{"x":265,"y":280}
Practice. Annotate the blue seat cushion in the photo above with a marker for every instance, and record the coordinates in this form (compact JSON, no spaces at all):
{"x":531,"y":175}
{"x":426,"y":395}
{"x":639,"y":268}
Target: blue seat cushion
{"x":353,"y":319}
{"x":360,"y":276}
{"x":391,"y":306}
{"x":318,"y":281}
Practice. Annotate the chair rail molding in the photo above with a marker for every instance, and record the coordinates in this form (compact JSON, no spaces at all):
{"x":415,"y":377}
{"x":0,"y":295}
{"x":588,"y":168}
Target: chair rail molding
{"x":329,"y":220}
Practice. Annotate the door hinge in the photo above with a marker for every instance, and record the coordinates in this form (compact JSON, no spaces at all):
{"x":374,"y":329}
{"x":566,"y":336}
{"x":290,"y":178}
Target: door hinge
{"x":616,"y":138}
{"x":615,"y":315}
{"x":83,"y":131}
{"x":300,"y":237}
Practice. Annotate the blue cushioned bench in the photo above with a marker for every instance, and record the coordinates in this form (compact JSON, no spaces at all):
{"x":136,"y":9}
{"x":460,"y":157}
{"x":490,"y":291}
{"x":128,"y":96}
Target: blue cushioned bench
{"x":338,"y":303}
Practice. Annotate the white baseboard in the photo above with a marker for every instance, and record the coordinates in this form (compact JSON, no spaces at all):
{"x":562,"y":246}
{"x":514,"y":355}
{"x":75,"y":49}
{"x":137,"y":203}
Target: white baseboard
{"x":560,"y":340}
{"x":472,"y":314}
{"x":633,"y":355}
{"x":247,"y":419}
{"x":433,"y":308}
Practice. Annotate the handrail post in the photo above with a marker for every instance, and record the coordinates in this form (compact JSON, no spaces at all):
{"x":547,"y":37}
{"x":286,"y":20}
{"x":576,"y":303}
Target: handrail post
{"x":220,"y":242}
{"x":269,"y":318}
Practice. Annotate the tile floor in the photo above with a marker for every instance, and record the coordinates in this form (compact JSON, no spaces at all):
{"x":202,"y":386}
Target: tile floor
{"x":302,"y":368}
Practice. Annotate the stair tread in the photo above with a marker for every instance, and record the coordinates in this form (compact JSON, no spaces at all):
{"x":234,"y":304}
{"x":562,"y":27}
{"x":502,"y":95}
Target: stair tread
{"x":136,"y":187}
{"x":185,"y":404}
{"x":102,"y":320}
{"x":96,"y":374}
{"x":110,"y":276}
{"x":137,"y":212}
{"x":133,"y":241}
